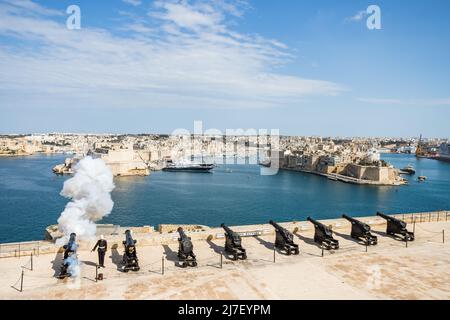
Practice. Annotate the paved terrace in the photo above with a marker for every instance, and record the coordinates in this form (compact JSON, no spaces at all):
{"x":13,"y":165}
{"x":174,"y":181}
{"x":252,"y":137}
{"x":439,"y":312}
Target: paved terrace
{"x":389,"y":270}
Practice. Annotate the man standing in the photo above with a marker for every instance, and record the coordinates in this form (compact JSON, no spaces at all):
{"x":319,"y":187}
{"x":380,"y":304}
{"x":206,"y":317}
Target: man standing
{"x":102,"y":245}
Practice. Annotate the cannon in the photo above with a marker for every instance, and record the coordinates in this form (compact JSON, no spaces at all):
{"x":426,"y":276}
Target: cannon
{"x":323,"y":235}
{"x":185,"y":250}
{"x":284,"y":240}
{"x":233,"y":244}
{"x":70,"y":257}
{"x":130,"y":260}
{"x":397,"y":227}
{"x":361,"y":231}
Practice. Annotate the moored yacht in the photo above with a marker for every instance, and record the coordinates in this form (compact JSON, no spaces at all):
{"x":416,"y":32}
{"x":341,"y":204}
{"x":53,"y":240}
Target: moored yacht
{"x":189,"y":167}
{"x":444,"y":152}
{"x":409,"y":170}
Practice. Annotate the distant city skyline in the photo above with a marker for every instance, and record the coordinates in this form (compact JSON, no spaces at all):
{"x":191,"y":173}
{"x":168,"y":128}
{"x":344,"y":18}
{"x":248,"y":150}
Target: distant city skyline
{"x":303,"y":67}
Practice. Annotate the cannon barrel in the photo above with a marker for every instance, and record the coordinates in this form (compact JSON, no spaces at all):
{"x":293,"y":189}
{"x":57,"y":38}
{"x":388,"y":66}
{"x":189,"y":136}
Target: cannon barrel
{"x":129,"y":239}
{"x":276,"y":225}
{"x":385,"y":216}
{"x":315,"y":221}
{"x":286,"y":234}
{"x":72,"y":243}
{"x":319,"y":225}
{"x":353,"y":220}
{"x":349,"y":218}
{"x":227,"y":230}
{"x":72,"y":239}
{"x":389,"y":218}
{"x":181,"y":232}
{"x":357,"y":222}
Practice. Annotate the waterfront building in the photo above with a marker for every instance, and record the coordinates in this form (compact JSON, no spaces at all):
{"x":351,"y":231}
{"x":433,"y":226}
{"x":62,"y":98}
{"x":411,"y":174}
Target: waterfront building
{"x":361,"y":167}
{"x":123,"y":160}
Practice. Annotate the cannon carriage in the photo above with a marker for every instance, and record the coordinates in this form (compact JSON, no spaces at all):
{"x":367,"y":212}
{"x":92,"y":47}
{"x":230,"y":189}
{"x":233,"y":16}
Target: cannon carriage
{"x":397,"y":227}
{"x":130,"y":259}
{"x":233,"y":244}
{"x":361,"y":231}
{"x":323,"y":235}
{"x":70,"y":257}
{"x":186,"y":250}
{"x":284,"y":239}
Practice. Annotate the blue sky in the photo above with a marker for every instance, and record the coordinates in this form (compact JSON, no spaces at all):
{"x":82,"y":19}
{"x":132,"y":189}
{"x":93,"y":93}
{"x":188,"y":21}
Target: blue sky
{"x":304,"y":67}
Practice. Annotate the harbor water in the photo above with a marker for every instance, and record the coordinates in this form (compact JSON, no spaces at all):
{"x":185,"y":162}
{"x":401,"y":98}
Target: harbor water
{"x":234,"y":194}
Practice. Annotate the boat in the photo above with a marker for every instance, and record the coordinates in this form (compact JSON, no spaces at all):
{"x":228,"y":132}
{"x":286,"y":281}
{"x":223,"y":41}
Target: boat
{"x":420,"y":152}
{"x":265,"y":163}
{"x":66,"y":168}
{"x":444,"y":152}
{"x":332,"y":177}
{"x":189,"y":167}
{"x":408,"y":170}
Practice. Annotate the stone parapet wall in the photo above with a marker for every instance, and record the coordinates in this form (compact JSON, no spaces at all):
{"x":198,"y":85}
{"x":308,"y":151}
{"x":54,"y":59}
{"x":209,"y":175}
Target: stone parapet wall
{"x":146,"y":236}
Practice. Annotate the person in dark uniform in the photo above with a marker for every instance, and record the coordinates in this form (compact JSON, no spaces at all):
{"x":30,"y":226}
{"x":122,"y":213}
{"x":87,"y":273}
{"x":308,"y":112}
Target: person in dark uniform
{"x":102,"y":245}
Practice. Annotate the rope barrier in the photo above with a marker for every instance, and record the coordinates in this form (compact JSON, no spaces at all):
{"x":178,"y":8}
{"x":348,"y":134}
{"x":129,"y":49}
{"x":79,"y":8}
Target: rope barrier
{"x":34,"y":276}
{"x":151,"y":264}
{"x":29,"y":264}
{"x":18,"y":280}
{"x":440,"y":235}
{"x":423,"y":229}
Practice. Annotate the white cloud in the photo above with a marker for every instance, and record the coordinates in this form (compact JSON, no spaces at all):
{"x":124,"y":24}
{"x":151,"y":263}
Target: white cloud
{"x":133,"y":2}
{"x":358,"y":16}
{"x":407,"y":102}
{"x":138,"y":27}
{"x":30,"y":8}
{"x":189,"y":58}
{"x":186,"y":16}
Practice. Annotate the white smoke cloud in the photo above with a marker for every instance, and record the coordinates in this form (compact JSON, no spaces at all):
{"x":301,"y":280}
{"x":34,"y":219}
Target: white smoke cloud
{"x":90,"y":193}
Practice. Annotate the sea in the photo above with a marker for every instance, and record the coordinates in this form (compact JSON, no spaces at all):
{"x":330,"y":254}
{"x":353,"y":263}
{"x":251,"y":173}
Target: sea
{"x":234,"y":194}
